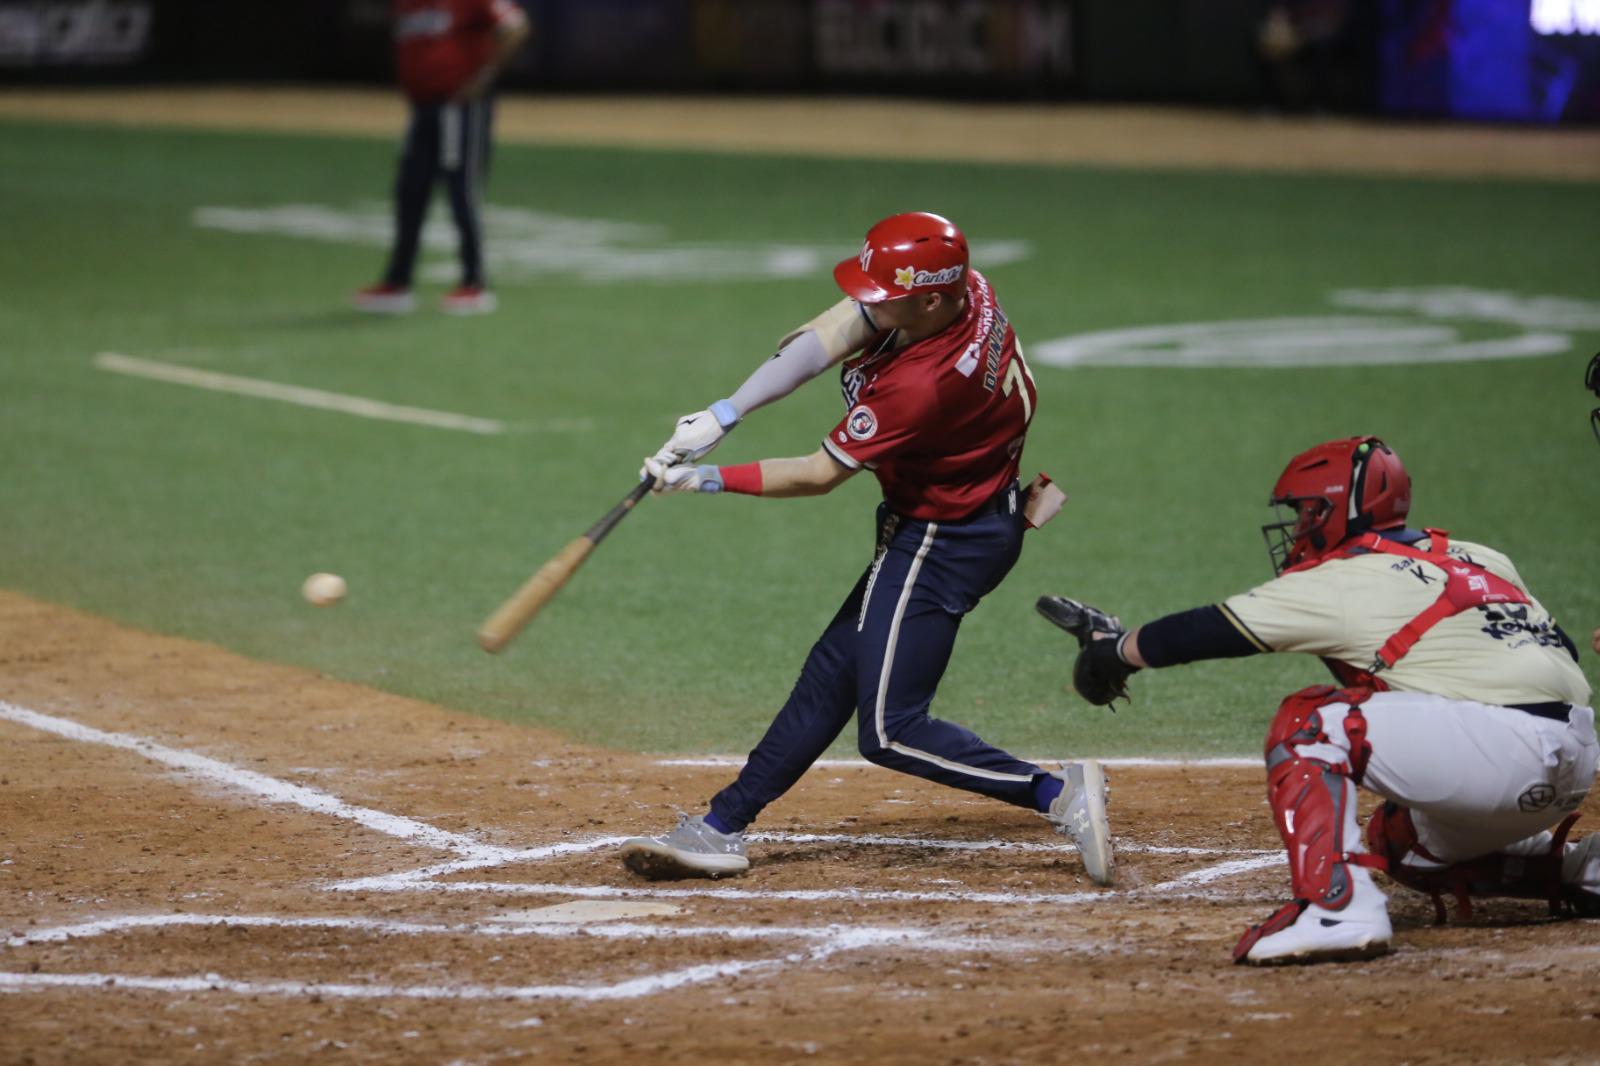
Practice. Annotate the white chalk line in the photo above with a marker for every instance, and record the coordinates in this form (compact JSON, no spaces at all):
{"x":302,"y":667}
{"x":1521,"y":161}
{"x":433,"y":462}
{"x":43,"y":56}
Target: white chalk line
{"x":1202,"y":876}
{"x":831,"y":940}
{"x":476,"y":855}
{"x":631,"y":989}
{"x":641,"y":986}
{"x":919,"y":938}
{"x":255,"y":784}
{"x":359,"y":406}
{"x":943,"y":844}
{"x":426,"y":875}
{"x":1225,"y":763}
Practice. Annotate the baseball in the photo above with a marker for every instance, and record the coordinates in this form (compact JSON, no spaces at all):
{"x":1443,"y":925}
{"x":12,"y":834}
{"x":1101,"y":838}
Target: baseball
{"x":323,"y":590}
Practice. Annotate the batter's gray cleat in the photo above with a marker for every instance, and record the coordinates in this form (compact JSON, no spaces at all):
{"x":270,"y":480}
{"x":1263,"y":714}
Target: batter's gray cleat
{"x":1080,"y":813}
{"x":693,"y":849}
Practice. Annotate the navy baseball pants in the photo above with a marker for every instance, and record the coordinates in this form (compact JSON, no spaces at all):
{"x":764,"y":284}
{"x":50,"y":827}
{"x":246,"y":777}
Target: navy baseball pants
{"x":881,"y":659}
{"x":452,"y":138}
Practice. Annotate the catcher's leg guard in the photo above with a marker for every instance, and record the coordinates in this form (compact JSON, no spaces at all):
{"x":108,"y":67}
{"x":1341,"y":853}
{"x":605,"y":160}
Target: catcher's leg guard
{"x":1311,"y":787}
{"x":1313,"y":762}
{"x":1538,"y":875}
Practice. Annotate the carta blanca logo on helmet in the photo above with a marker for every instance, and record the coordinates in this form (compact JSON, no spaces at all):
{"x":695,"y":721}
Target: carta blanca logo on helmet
{"x":862,"y":423}
{"x":909,"y":278}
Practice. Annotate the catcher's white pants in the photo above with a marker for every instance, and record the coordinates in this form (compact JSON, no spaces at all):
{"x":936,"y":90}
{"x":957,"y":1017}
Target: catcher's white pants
{"x":1477,"y":778}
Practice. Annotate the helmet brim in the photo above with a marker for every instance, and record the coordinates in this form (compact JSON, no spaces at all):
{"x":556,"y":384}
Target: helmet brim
{"x":858,"y":284}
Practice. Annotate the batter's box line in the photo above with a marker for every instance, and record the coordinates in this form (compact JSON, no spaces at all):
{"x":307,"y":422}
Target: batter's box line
{"x":471,"y":853}
{"x":507,"y":856}
{"x":830,"y":940}
{"x":1173,"y":888}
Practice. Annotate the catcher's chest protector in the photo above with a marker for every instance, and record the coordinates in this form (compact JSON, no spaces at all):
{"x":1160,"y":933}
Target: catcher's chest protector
{"x":1466,"y":585}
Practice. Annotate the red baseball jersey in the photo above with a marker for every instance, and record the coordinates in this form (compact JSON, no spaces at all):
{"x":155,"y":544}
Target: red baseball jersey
{"x":940,"y":422}
{"x":439,"y":45}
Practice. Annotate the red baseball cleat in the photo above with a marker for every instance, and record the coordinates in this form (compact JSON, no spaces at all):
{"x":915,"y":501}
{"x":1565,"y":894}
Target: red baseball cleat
{"x":468,"y":300}
{"x":384,"y":299}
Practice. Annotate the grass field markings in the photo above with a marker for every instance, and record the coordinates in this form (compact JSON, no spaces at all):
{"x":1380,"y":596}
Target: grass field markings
{"x":1179,"y":762}
{"x":359,"y":406}
{"x":251,"y":783}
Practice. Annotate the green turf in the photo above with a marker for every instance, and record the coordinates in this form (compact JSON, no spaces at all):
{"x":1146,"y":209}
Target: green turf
{"x":198,"y":514}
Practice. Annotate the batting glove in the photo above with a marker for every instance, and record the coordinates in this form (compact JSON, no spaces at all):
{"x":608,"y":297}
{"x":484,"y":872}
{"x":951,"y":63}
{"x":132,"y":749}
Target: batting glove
{"x":683,"y":477}
{"x":695,"y":435}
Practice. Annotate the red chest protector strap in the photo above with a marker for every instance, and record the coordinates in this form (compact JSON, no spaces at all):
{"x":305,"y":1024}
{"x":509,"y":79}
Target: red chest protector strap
{"x":1466,"y":586}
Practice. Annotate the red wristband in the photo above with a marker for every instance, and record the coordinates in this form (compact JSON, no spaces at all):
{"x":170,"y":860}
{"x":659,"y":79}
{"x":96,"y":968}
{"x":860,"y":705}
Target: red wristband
{"x":745,"y":478}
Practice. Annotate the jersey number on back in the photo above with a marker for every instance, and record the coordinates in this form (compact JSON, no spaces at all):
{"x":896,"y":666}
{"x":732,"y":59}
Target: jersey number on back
{"x":1018,"y":379}
{"x":1019,"y":376}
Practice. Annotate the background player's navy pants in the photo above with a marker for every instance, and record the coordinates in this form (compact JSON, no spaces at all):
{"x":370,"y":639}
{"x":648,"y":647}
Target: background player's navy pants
{"x":881,"y":659}
{"x":453,"y":139}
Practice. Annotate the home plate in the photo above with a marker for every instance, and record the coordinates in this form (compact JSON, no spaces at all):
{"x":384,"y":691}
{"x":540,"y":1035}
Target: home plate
{"x":580,"y":911}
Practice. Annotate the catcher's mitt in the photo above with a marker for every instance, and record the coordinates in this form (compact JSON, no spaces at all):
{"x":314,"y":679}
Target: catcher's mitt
{"x":1099,"y":674}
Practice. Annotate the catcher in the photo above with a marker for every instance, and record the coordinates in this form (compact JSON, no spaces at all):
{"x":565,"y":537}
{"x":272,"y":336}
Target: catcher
{"x":1461,"y":704}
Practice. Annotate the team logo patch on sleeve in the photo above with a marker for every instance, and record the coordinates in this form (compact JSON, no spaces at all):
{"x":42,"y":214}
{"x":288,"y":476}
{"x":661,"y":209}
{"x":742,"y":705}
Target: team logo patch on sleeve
{"x":862,"y":423}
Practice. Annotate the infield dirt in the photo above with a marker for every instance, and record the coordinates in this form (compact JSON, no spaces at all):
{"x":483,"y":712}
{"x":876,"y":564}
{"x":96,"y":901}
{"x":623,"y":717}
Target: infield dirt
{"x":1010,"y":964}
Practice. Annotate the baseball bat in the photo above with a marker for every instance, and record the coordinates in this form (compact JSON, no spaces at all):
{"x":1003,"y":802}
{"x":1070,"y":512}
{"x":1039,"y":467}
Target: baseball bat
{"x":508,"y":620}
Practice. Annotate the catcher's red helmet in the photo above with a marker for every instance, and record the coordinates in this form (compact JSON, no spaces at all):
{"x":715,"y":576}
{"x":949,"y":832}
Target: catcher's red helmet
{"x":1337,"y":490}
{"x":903,"y":255}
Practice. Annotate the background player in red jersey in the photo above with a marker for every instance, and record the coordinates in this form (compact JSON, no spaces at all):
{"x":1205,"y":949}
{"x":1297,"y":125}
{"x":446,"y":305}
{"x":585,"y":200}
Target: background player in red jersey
{"x":938,"y":401}
{"x":447,"y":54}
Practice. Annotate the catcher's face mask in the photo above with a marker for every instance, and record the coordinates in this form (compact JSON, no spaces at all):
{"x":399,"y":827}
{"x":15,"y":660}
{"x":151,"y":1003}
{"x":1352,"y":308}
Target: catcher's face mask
{"x":1298,"y":531}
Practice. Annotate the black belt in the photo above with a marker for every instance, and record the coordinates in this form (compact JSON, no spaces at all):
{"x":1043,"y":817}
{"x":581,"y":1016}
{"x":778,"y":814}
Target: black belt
{"x":1555,"y":709}
{"x":999,"y":503}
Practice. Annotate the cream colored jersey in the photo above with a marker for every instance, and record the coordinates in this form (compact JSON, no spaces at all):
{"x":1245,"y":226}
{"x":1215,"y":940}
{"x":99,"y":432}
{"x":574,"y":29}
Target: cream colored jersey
{"x":1346,"y":608}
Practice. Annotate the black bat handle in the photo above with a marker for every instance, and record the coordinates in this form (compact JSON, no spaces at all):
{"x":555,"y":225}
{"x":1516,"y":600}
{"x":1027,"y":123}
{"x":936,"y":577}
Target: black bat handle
{"x":598,"y":531}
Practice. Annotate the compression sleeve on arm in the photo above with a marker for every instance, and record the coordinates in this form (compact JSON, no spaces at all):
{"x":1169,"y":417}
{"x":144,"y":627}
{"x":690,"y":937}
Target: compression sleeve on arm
{"x":1202,"y":633}
{"x":796,"y":363}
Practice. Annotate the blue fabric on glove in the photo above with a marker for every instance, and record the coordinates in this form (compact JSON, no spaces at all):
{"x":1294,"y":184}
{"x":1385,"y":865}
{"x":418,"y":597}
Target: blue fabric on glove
{"x":726,"y":414}
{"x":710,"y":479}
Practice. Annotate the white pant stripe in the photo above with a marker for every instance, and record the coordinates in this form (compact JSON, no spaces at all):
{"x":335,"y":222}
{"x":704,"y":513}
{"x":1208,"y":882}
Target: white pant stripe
{"x":450,"y":136}
{"x":888,"y":665}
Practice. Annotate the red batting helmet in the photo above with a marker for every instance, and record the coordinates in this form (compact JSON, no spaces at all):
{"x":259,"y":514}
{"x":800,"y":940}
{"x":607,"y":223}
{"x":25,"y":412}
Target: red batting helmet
{"x":1335,"y":491}
{"x":906,"y":254}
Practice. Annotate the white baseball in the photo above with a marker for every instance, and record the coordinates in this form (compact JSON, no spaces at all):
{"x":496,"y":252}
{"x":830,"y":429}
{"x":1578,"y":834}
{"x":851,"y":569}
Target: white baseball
{"x":324,"y":590}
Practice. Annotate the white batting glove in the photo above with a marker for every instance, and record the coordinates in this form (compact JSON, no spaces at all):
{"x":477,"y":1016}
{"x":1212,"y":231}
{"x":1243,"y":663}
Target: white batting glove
{"x":682,"y":477}
{"x":695,"y":435}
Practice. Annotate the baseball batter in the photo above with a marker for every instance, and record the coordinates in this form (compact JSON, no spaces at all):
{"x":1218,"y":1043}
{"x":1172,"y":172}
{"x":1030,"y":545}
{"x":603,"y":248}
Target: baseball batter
{"x":937,"y":404}
{"x":1463,"y":706}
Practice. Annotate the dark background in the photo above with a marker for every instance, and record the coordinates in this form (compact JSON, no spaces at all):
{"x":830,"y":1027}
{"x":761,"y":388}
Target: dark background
{"x":1480,"y":59}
